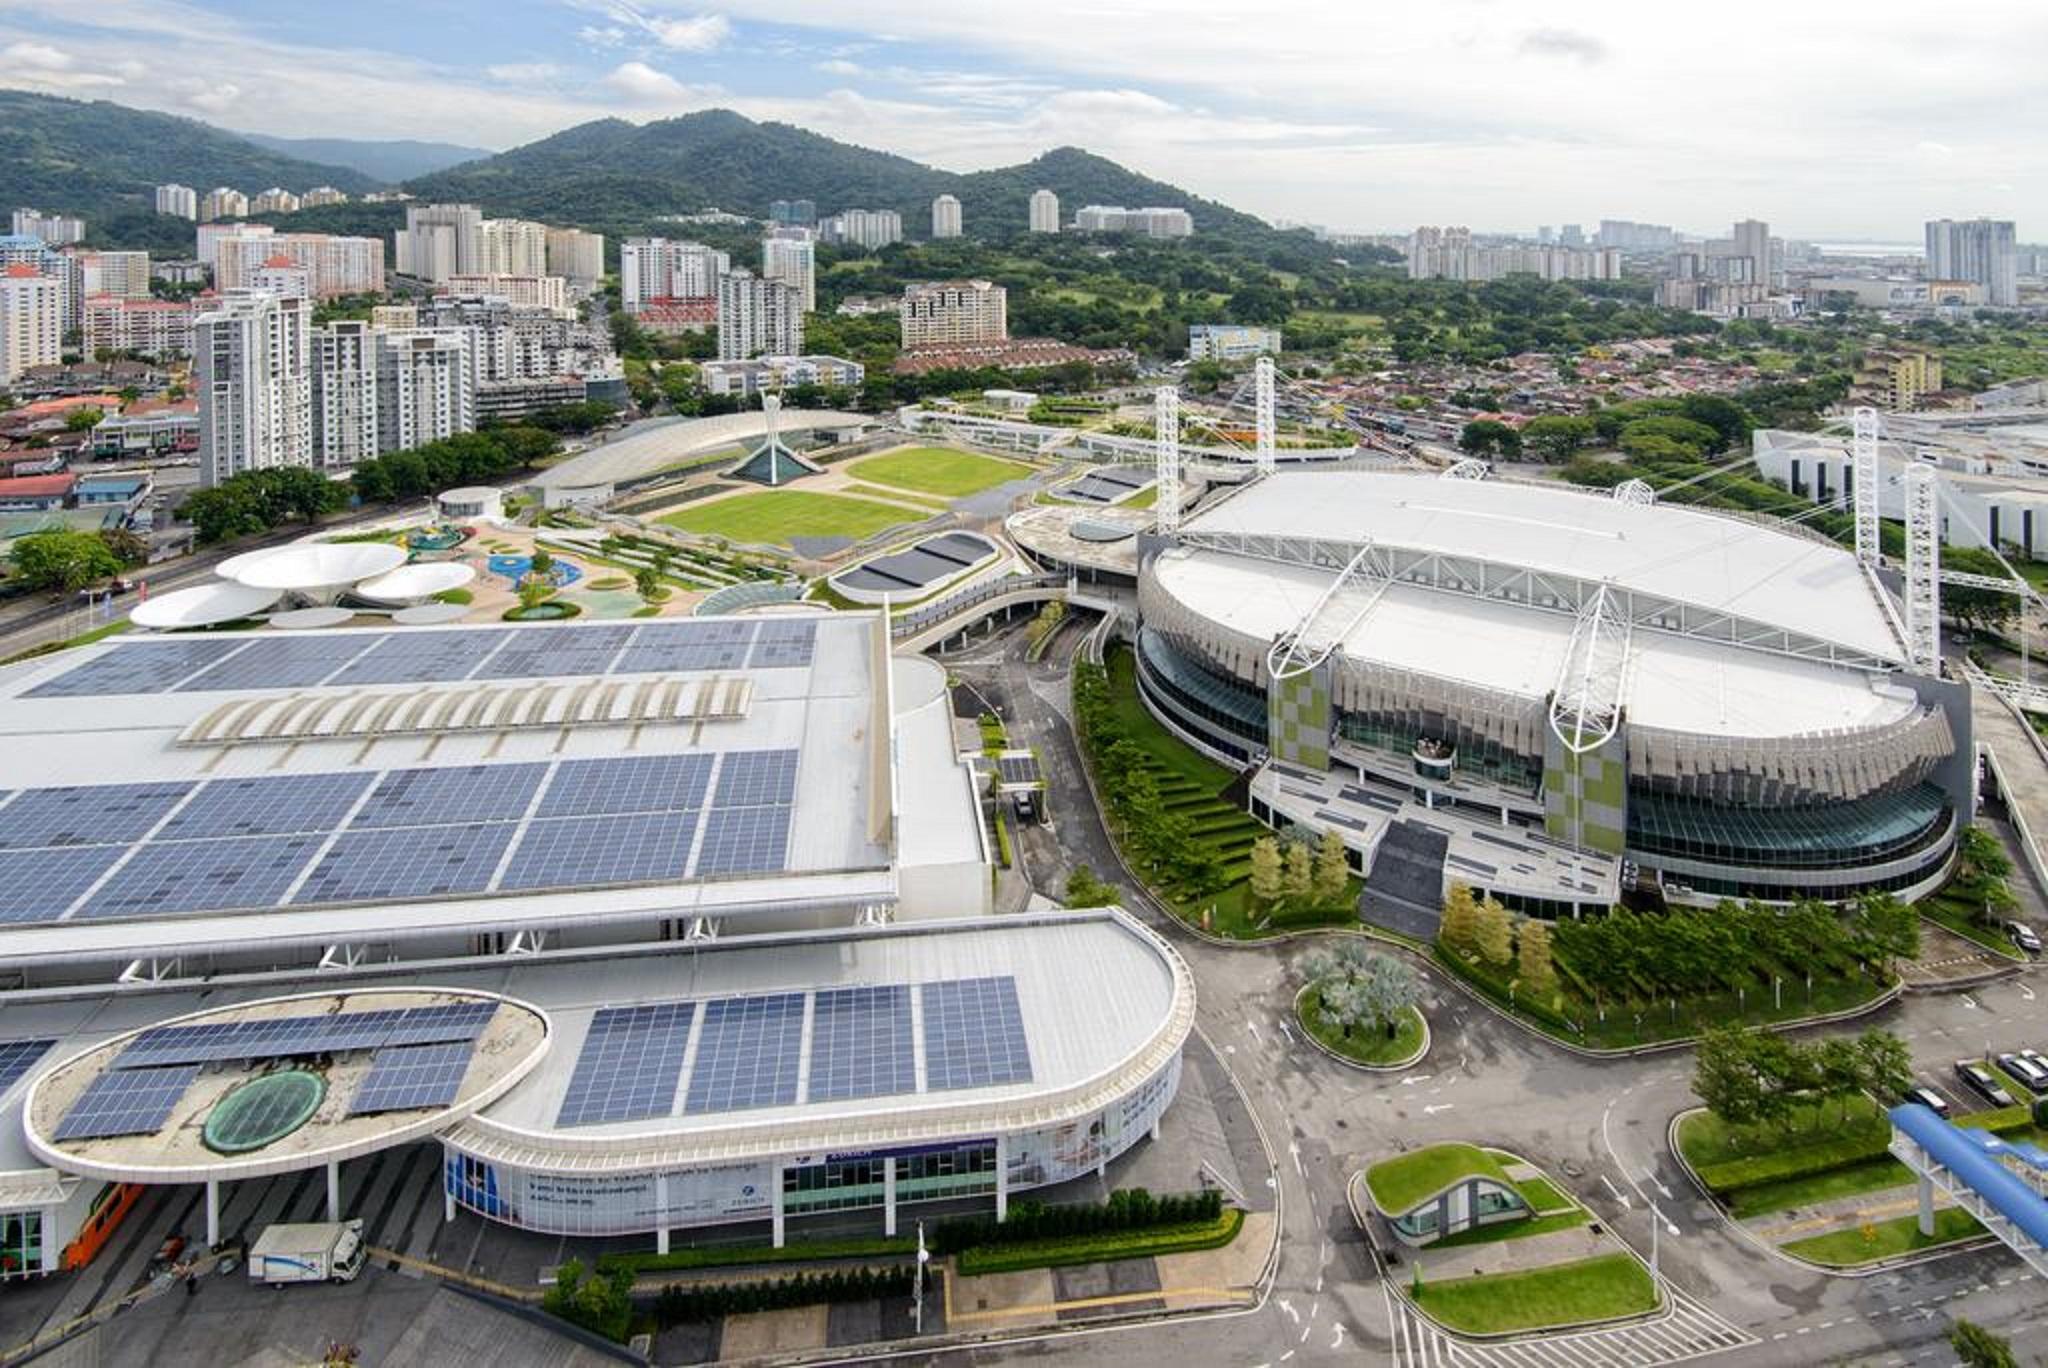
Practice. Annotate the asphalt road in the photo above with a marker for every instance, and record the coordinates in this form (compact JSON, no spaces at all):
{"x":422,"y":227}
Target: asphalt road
{"x":1600,"y":1125}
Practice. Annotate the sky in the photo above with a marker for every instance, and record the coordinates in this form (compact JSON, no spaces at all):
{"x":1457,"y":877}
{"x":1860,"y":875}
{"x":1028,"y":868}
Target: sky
{"x":1828,"y":119}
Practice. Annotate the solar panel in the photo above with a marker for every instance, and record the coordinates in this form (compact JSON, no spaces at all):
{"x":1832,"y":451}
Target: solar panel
{"x":580,"y":852}
{"x":751,"y":840}
{"x":92,"y":814}
{"x":633,"y":783}
{"x":126,"y":1102}
{"x":325,"y":1033}
{"x":1019,"y":769}
{"x":364,"y":866}
{"x":282,"y":662}
{"x":446,"y":1021}
{"x":17,"y":1057}
{"x":783,"y":644}
{"x":403,"y":1077}
{"x":134,"y":667}
{"x":629,"y":1065}
{"x":462,"y":793}
{"x":861,"y":1043}
{"x":417,"y":657}
{"x":756,"y":778}
{"x":974,"y":1034}
{"x":668,"y":647}
{"x":37,"y":885}
{"x":191,"y":876}
{"x":747,"y":1056}
{"x":539,"y":651}
{"x":271,"y":805}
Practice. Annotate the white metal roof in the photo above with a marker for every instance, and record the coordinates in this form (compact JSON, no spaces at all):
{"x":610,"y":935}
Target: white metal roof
{"x":651,"y":447}
{"x":1722,"y":563}
{"x":1673,"y":682}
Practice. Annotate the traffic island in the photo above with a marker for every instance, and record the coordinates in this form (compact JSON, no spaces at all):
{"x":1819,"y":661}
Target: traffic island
{"x":1373,"y":1048}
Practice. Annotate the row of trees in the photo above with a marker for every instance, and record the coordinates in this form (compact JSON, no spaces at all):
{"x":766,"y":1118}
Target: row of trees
{"x":1155,"y":836}
{"x":685,"y":1303}
{"x":66,"y":560}
{"x":1297,"y":879}
{"x":1746,"y":1077}
{"x":1126,"y":1209}
{"x":1483,"y":929}
{"x":1355,"y":988}
{"x":1646,"y":430}
{"x":479,"y":457}
{"x":258,"y":500}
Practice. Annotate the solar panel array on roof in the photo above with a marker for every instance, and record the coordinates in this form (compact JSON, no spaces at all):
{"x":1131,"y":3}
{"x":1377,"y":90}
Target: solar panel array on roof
{"x":209,"y":1042}
{"x":631,"y":1060}
{"x":418,"y":656}
{"x":1019,"y":769}
{"x":861,"y":1044}
{"x":578,"y":852}
{"x":974,"y":1034}
{"x":404,"y":1077}
{"x":188,"y":876}
{"x":1108,"y":484}
{"x":632,"y":783}
{"x":928,"y":562}
{"x":752,"y":840}
{"x":748,"y":1055}
{"x":460,"y":793}
{"x":38,"y":885}
{"x":17,"y":1057}
{"x":275,"y":804}
{"x":86,"y":814}
{"x":126,"y":1102}
{"x":369,"y":866}
{"x":756,"y":778}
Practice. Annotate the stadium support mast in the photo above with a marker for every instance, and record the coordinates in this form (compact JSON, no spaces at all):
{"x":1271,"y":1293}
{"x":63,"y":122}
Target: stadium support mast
{"x":1166,"y":425}
{"x":1262,"y":391}
{"x":1863,"y":464}
{"x":1923,"y":569}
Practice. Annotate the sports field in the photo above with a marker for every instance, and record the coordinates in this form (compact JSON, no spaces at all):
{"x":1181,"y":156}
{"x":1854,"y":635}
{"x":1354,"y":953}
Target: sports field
{"x":938,"y":470}
{"x":773,"y":516}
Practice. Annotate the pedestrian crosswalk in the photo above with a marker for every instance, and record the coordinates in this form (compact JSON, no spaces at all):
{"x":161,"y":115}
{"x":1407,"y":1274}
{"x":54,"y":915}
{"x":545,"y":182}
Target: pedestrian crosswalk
{"x":1686,"y":1331}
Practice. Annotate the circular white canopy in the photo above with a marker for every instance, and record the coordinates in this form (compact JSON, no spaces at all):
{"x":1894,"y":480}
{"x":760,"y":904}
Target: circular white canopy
{"x":428,"y":614}
{"x":413,"y":583}
{"x":301,"y":619}
{"x":204,"y":605}
{"x":232,"y":567}
{"x":312,"y":566}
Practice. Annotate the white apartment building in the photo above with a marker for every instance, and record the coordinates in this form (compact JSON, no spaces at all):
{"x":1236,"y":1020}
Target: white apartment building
{"x":793,"y":261}
{"x":322,"y":194}
{"x":1231,"y":342}
{"x":151,"y":327}
{"x":223,"y":202}
{"x":179,"y":201}
{"x":440,"y":240}
{"x":531,"y":291}
{"x":946,"y":217}
{"x":280,"y":275}
{"x":426,"y":387}
{"x":1448,"y":253}
{"x":252,"y":366}
{"x":31,"y":321}
{"x":757,"y":317}
{"x":275,"y":200}
{"x":211,"y":235}
{"x":749,"y":378}
{"x":334,"y":265}
{"x":657,"y":268}
{"x":394,"y":315}
{"x":1152,"y":222}
{"x":868,"y":228}
{"x":511,"y":247}
{"x":344,"y":394}
{"x":114,"y":273}
{"x":950,"y":313}
{"x":575,"y":255}
{"x":1978,"y":250}
{"x":57,"y":230}
{"x":1045,"y":212}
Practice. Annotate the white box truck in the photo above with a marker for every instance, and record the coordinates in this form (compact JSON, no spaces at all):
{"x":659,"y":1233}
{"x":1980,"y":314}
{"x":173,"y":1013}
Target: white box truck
{"x":320,"y":1251}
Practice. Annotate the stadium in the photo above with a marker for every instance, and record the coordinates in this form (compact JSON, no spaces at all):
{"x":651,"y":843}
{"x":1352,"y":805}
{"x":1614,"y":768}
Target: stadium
{"x":1553,"y":695}
{"x":643,"y":926}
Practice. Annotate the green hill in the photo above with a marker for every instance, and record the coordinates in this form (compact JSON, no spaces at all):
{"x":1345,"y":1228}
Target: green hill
{"x":105,"y":160}
{"x":385,"y":160}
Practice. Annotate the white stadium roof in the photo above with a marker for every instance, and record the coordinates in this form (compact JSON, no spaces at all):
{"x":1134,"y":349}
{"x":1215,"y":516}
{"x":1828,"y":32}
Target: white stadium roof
{"x":649,"y":448}
{"x":1724,"y":564}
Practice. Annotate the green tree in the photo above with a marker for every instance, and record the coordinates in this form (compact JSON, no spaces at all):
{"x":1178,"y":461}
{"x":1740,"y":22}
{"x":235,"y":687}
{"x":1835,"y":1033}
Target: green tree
{"x":647,"y":583}
{"x":1884,"y":1064}
{"x":533,"y":592}
{"x":83,"y":419}
{"x":1343,"y":1004}
{"x":1534,"y":964}
{"x":1495,"y":933}
{"x":1331,"y":875}
{"x":1725,"y":1077}
{"x":1490,"y":437}
{"x":542,"y":561}
{"x":1085,"y":890}
{"x":1459,"y":928}
{"x":1297,"y":878}
{"x":1556,"y":437}
{"x":1389,"y":991}
{"x":63,"y":560}
{"x":128,"y":548}
{"x":1980,"y":1348}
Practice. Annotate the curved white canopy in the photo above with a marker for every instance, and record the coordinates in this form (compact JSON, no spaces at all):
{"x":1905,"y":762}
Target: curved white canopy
{"x":204,"y":605}
{"x":412,"y":583}
{"x":312,"y":566}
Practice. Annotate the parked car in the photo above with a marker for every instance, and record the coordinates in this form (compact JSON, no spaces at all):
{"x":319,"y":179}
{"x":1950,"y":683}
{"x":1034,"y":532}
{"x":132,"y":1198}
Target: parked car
{"x":2031,"y":1076}
{"x":1928,"y":1098}
{"x":1978,"y":1080}
{"x":2022,"y":935}
{"x":2035,"y":1058}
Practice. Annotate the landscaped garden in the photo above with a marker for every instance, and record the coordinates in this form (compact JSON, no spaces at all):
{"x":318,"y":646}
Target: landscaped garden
{"x":938,"y":470}
{"x":1976,"y":903}
{"x":1166,"y":806}
{"x":1604,"y":1288}
{"x":772,"y":517}
{"x":1360,"y":1004}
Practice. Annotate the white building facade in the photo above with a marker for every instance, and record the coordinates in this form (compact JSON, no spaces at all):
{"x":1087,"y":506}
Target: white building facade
{"x":575,"y":255}
{"x":1045,"y":212}
{"x":793,"y":261}
{"x":946,"y":217}
{"x":252,"y":367}
{"x":31,"y":321}
{"x":179,"y":201}
{"x":658,"y":268}
{"x":758,"y":317}
{"x":953,"y":312}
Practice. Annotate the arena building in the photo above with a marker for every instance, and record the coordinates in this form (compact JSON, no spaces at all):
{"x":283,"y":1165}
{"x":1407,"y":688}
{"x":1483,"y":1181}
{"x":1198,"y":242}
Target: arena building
{"x":1553,"y":695}
{"x":650,"y":925}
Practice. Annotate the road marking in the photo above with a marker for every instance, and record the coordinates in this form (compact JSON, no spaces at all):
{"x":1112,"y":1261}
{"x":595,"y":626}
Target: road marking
{"x":1294,"y":1152}
{"x":1338,"y":1342}
{"x":1286,"y":1356}
{"x":1253,"y":1027}
{"x":1288,"y":1307}
{"x":2026,"y":992}
{"x":1969,"y":1002}
{"x":1433,"y":1108}
{"x":1616,"y":1193}
{"x":1413,"y":1079}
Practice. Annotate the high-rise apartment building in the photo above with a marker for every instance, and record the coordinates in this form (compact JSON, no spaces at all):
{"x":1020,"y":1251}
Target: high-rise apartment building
{"x":426,"y":387}
{"x":1153,"y":222}
{"x":55,"y":230}
{"x":1045,"y":212}
{"x":1448,"y":254}
{"x":344,"y":394}
{"x":223,"y":202}
{"x":31,"y":321}
{"x":322,"y":194}
{"x":1752,"y":239}
{"x":275,"y":200}
{"x":531,"y":291}
{"x":757,"y":317}
{"x":113,"y":273}
{"x":793,"y":260}
{"x":868,"y":228}
{"x":656,"y":268}
{"x":946,"y":217}
{"x":280,"y":275}
{"x":440,"y":240}
{"x":576,"y":256}
{"x":334,"y":266}
{"x":950,"y":313}
{"x":1630,"y":236}
{"x":252,"y":366}
{"x":161,"y":328}
{"x":210,"y":235}
{"x":179,"y":201}
{"x":511,"y":247}
{"x":1981,"y":250}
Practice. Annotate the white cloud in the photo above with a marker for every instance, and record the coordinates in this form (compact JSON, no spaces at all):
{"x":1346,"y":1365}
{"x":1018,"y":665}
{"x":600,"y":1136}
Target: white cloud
{"x":700,"y":34}
{"x":40,"y":56}
{"x":519,"y":73}
{"x":214,"y":99}
{"x":839,"y":66}
{"x":609,"y":36}
{"x":642,"y":84}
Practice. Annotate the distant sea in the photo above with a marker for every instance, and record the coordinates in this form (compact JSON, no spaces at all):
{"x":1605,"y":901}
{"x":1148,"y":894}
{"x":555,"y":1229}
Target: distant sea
{"x":1870,"y":249}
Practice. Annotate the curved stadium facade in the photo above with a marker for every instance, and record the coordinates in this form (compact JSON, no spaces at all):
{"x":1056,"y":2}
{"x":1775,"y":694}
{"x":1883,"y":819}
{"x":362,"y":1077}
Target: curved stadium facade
{"x":1554,"y":696}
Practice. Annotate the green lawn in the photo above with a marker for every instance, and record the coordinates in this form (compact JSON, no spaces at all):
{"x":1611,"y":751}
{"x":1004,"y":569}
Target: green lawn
{"x":1366,"y":1046}
{"x":1958,"y":916}
{"x":1542,"y":1195}
{"x":1850,"y":1180}
{"x":867,"y":491}
{"x":1144,"y":498}
{"x":1884,"y":1239}
{"x":773,"y":516}
{"x":1514,"y":1230}
{"x":1601,"y":1288}
{"x":1705,"y":1139}
{"x":937,"y":470}
{"x":1399,"y":1183}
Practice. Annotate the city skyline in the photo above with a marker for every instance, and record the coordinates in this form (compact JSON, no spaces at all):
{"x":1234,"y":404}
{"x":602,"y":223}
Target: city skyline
{"x":1367,"y":123}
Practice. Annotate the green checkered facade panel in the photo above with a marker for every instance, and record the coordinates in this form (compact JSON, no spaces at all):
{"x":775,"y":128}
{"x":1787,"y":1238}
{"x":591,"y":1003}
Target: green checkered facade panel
{"x":1298,"y":718}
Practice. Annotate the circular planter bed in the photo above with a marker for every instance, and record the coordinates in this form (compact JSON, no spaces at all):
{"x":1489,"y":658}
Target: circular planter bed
{"x":1366,"y":1048}
{"x":551,"y":611}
